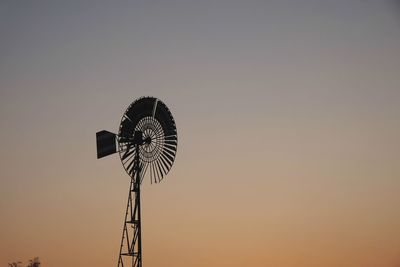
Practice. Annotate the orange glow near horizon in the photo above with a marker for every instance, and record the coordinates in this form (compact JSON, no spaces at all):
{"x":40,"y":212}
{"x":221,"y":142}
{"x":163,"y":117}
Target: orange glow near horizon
{"x":288,"y":132}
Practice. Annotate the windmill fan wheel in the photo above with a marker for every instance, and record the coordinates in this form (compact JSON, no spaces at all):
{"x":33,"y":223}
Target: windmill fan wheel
{"x":151,"y":118}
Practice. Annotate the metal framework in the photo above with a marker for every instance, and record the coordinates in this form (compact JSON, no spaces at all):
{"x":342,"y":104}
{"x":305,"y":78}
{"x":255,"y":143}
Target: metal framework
{"x":147,"y":140}
{"x":130,"y":253}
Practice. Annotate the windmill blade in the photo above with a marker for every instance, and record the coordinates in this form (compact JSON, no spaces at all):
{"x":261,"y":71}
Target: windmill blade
{"x":128,"y":152}
{"x":164,"y":163}
{"x":143,"y":171}
{"x":159,"y":171}
{"x":130,"y":165}
{"x":168,"y":159}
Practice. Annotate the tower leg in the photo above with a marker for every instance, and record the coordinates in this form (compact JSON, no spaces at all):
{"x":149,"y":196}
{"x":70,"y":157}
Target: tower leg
{"x":130,"y":253}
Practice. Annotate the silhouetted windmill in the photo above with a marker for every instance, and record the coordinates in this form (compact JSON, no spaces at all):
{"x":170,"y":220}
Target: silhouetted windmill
{"x":147,"y":141}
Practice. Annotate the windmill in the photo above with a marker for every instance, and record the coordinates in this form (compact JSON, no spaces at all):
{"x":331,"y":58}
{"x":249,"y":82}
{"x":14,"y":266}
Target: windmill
{"x":147,"y":141}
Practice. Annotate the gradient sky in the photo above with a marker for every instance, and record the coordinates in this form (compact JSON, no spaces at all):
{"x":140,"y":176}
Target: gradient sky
{"x":288,"y":116}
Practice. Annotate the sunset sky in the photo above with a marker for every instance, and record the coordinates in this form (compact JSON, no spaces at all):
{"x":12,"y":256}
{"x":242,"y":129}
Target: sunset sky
{"x":288,"y":117}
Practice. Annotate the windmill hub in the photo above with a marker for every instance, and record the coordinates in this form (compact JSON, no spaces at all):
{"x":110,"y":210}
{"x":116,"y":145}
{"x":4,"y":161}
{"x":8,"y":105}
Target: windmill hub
{"x":147,"y":140}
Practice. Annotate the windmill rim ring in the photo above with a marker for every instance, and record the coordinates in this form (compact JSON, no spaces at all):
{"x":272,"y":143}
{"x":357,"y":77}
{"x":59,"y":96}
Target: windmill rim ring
{"x":161,"y":151}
